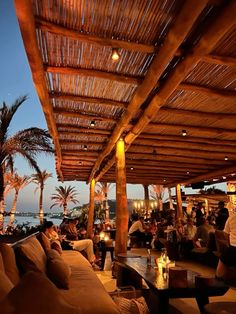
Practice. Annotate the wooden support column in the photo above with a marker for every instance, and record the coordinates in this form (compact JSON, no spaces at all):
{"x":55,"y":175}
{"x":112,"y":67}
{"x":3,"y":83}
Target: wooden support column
{"x":146,"y":198}
{"x":179,"y":213}
{"x":91,"y":209}
{"x":170,"y":199}
{"x":121,"y":200}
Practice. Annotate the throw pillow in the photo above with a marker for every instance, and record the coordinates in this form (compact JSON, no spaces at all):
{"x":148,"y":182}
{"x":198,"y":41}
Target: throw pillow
{"x":36,"y":294}
{"x":5,"y":285}
{"x":131,"y":306}
{"x":31,"y":256}
{"x":44,"y":241}
{"x":9,"y":262}
{"x":57,"y":270}
{"x":56,"y":245}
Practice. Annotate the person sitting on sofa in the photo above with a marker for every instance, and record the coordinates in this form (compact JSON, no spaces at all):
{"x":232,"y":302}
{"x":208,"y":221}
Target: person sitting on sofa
{"x":78,"y":245}
{"x":139,"y":230}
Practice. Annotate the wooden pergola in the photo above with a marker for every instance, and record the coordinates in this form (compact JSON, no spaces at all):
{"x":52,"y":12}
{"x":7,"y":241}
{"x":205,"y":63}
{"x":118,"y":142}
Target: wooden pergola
{"x":170,"y":97}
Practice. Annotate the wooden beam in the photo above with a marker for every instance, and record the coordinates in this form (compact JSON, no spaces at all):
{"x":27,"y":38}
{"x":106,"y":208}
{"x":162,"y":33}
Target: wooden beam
{"x":199,"y":114}
{"x":122,"y":213}
{"x":210,"y":91}
{"x":171,"y":157}
{"x":184,"y":145}
{"x":79,"y":115}
{"x":222,"y":60}
{"x":179,"y":201}
{"x":78,"y":129}
{"x":179,"y":30}
{"x":101,"y":41}
{"x":154,"y":127}
{"x":87,"y":135}
{"x":212,"y":174}
{"x":183,"y":151}
{"x":162,"y":168}
{"x":91,"y":209}
{"x":78,"y":142}
{"x":94,"y":73}
{"x":28,"y":32}
{"x":221,"y":25}
{"x":193,"y":139}
{"x":79,"y":153}
{"x":168,"y":164}
{"x":92,"y":100}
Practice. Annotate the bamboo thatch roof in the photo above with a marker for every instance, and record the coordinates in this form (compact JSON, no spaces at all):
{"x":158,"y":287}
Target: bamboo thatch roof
{"x":176,"y":71}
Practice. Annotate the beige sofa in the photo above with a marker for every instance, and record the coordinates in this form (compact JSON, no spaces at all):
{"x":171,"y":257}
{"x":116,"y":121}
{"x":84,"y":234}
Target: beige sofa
{"x":39,"y":290}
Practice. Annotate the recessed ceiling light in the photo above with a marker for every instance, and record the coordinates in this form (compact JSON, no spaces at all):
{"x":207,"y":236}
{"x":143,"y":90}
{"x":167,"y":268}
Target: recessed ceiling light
{"x":164,"y":180}
{"x":188,"y":172}
{"x":184,"y":132}
{"x":131,"y":168}
{"x":85,"y":147}
{"x":115,"y":54}
{"x":92,"y":124}
{"x":154,"y":152}
{"x":226,"y":158}
{"x":80,"y":163}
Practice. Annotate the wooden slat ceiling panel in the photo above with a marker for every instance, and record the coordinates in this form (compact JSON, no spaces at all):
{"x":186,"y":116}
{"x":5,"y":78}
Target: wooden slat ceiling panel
{"x":124,"y":19}
{"x":212,"y":75}
{"x":193,"y":100}
{"x":177,"y":71}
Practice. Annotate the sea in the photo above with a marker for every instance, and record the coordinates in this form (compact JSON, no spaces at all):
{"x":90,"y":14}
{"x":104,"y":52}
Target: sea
{"x":30,"y":220}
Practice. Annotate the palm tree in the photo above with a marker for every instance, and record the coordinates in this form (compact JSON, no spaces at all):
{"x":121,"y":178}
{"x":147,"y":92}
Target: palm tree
{"x":40,"y":179}
{"x":105,"y":188}
{"x":28,"y":143}
{"x":17,"y":183}
{"x":157,"y":193}
{"x":63,"y":196}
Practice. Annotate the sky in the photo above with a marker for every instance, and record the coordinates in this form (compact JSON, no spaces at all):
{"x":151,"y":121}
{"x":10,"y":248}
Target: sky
{"x":16,"y":81}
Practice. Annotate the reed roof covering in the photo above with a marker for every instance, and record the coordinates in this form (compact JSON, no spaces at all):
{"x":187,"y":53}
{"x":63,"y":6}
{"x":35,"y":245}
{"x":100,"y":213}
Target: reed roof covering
{"x":176,"y":72}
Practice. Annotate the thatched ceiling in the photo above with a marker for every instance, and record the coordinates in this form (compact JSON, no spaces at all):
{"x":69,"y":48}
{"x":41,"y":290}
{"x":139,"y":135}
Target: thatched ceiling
{"x":176,"y":71}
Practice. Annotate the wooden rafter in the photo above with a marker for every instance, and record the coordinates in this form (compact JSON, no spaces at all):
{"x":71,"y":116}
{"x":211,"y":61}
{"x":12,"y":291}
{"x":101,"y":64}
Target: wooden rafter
{"x":193,"y":139}
{"x":213,"y":174}
{"x":109,"y":42}
{"x":210,"y":91}
{"x":94,"y":73}
{"x":88,"y":143}
{"x":80,"y":115}
{"x":199,"y":114}
{"x":222,"y":60}
{"x":155,"y":127}
{"x":184,"y":145}
{"x":179,"y":30}
{"x":88,"y":134}
{"x":90,"y":130}
{"x":93,"y":100}
{"x":28,"y":31}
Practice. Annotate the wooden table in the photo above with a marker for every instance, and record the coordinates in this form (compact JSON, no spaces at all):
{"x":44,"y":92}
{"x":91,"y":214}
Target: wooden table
{"x":130,"y":268}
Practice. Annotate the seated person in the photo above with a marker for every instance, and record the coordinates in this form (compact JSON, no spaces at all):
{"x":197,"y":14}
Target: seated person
{"x":189,"y":233}
{"x":228,"y":257}
{"x":202,"y":234}
{"x":138,"y":229}
{"x":78,"y":245}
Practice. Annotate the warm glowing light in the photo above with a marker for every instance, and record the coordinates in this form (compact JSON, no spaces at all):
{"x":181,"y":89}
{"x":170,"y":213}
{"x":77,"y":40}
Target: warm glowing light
{"x":102,"y":235}
{"x":115,"y":55}
{"x":188,"y":172}
{"x":226,"y":158}
{"x":92,"y":124}
{"x":106,"y":238}
{"x":184,"y":132}
{"x":85,"y":147}
{"x":131,"y":168}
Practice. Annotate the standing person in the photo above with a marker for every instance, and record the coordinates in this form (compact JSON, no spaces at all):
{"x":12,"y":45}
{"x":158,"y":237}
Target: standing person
{"x":222,"y":216}
{"x":228,"y":257}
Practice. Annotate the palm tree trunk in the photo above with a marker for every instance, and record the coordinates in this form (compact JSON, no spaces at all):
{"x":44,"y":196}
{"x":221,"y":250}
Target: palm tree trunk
{"x":1,"y":197}
{"x":106,"y":208}
{"x":146,"y":197}
{"x":65,"y":210}
{"x":41,"y":204}
{"x":170,"y":199}
{"x":13,"y":209}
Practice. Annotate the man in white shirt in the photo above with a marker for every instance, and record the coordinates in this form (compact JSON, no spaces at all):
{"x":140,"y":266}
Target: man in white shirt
{"x":228,"y":257}
{"x":138,"y":229}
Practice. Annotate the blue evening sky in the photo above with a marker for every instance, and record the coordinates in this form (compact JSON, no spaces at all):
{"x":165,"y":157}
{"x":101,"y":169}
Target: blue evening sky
{"x":16,"y":81}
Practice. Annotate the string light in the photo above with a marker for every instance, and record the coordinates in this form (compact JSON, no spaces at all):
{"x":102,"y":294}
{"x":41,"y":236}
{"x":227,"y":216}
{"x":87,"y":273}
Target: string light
{"x":115,"y":55}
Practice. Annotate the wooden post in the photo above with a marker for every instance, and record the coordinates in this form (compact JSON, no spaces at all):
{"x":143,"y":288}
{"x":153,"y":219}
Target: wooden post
{"x":179,"y":201}
{"x":121,"y":200}
{"x":146,"y":198}
{"x":91,"y":209}
{"x":170,"y":199}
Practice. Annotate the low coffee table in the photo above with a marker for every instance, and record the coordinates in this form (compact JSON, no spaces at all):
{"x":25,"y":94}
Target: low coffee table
{"x":129,"y":267}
